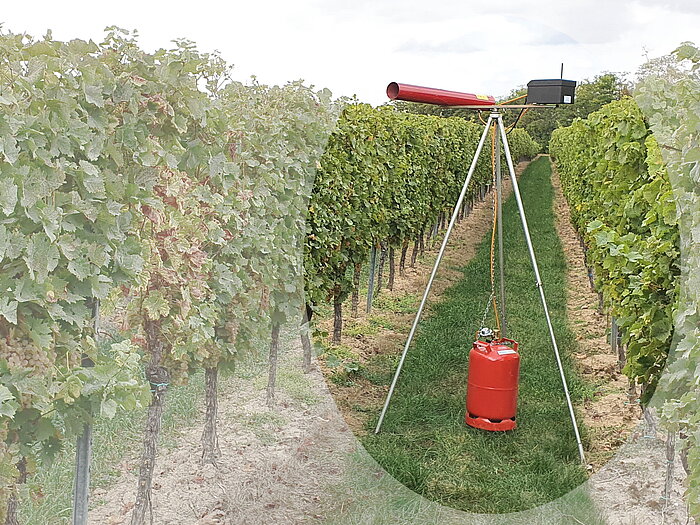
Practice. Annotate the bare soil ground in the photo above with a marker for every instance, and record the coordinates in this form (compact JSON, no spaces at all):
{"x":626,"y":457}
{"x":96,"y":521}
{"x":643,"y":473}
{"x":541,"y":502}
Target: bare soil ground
{"x":275,"y":467}
{"x":614,"y":410}
{"x":300,"y":462}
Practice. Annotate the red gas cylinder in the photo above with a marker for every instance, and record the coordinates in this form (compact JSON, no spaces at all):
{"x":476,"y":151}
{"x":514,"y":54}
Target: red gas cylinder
{"x":492,"y":386}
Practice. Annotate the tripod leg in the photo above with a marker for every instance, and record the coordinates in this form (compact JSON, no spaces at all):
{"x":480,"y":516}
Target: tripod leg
{"x":435,"y":268}
{"x":538,"y":282}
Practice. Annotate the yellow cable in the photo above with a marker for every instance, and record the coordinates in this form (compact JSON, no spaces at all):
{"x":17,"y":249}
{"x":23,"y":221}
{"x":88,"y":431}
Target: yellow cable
{"x":493,"y":231}
{"x":513,"y":99}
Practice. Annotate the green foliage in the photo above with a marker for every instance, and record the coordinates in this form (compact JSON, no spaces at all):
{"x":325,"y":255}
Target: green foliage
{"x":387,"y":175}
{"x":277,"y":136}
{"x":668,"y":95}
{"x":70,"y":114}
{"x":137,"y":177}
{"x":622,"y":204}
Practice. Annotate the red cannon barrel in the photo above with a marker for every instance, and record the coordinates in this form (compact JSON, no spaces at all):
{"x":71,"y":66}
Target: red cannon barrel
{"x":440,"y":97}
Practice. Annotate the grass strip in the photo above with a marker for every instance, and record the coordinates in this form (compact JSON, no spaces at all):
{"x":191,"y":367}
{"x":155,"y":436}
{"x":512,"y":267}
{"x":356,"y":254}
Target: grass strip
{"x":425,"y":443}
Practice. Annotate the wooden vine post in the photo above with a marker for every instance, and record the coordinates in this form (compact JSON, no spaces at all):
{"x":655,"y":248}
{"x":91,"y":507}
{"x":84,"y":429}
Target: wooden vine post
{"x":83,"y":446}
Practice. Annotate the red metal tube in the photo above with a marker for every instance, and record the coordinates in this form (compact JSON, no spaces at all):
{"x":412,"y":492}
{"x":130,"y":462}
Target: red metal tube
{"x":440,"y":97}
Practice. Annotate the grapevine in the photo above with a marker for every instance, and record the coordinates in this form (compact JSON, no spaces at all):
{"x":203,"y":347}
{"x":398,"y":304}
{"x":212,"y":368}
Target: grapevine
{"x":623,"y":205}
{"x":669,"y":99}
{"x":386,"y":176}
{"x":153,"y":180}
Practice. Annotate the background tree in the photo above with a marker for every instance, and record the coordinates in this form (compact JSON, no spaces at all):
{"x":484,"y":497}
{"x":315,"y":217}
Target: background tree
{"x":591,"y":95}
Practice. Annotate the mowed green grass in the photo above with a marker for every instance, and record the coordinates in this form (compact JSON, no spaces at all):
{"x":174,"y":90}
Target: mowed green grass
{"x":424,"y":442}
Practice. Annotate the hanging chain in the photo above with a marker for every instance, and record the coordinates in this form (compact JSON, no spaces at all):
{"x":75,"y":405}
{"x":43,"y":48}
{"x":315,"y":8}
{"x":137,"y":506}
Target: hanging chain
{"x":486,"y":310}
{"x":492,"y":298}
{"x":491,"y":302}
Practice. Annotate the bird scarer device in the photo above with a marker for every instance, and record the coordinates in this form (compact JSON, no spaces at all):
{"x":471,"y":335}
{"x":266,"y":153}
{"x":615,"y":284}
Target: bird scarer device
{"x":494,"y":361}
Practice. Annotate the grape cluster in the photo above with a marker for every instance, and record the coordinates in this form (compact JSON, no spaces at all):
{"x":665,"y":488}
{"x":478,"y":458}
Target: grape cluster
{"x":23,"y":353}
{"x":179,"y":371}
{"x":232,"y":326}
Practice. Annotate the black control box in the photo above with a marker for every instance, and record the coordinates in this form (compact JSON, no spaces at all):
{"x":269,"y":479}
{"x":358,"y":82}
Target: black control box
{"x":551,"y":91}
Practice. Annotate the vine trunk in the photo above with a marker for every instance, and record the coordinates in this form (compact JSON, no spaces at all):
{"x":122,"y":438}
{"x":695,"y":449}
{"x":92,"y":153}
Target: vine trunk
{"x":272,"y":364}
{"x":337,"y":319}
{"x":13,"y":501}
{"x":356,"y":289}
{"x":210,"y":437}
{"x":392,"y":268}
{"x":402,"y":262}
{"x":306,"y":340}
{"x":158,"y":376}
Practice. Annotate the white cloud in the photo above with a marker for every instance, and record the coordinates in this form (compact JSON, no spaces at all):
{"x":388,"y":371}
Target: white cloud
{"x":681,"y":6}
{"x":462,"y":45}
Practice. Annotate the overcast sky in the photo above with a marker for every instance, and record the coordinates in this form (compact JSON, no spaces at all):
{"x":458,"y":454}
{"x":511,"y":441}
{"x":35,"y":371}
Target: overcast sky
{"x":358,"y":47}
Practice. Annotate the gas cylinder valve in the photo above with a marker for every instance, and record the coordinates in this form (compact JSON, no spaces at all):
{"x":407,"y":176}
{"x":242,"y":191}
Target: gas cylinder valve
{"x":486,"y":334}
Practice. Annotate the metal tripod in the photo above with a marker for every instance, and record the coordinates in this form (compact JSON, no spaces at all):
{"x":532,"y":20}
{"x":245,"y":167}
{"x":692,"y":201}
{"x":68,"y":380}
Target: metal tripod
{"x":497,"y":118}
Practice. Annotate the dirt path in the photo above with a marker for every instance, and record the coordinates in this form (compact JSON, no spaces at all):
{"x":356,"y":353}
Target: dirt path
{"x":613,"y":412}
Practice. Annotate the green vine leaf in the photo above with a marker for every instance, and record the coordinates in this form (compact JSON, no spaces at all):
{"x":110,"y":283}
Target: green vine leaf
{"x":41,"y":257}
{"x":8,"y":309}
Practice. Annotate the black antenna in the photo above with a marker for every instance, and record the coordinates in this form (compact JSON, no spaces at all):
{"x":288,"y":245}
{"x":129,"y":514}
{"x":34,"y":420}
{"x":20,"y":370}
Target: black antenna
{"x":562,"y":70}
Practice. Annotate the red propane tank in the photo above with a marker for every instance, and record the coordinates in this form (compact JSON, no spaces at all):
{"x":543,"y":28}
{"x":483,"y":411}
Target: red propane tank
{"x":492,"y":386}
